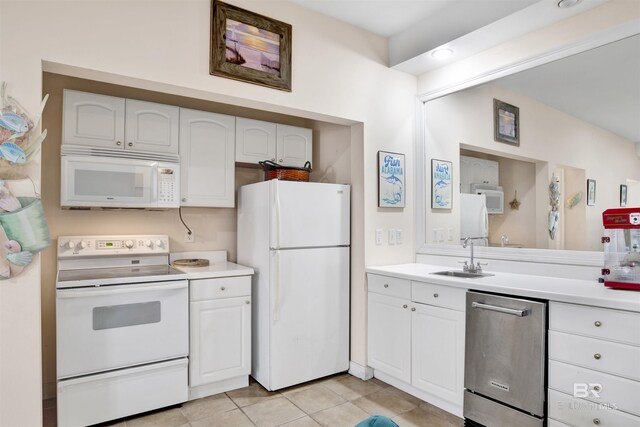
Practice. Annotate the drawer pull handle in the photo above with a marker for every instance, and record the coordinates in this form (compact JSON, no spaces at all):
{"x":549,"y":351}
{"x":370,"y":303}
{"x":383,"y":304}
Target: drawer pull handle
{"x":222,"y":288}
{"x":249,"y":302}
{"x":596,"y":421}
{"x":413,"y":309}
{"x":435,"y":295}
{"x":597,"y":388}
{"x":405,"y":306}
{"x":598,"y":323}
{"x":386,"y":285}
{"x":597,"y":356}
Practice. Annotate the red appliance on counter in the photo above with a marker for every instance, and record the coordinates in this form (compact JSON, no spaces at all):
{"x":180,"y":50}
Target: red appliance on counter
{"x":621,"y":248}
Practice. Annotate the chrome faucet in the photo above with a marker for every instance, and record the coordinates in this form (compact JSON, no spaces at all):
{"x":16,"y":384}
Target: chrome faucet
{"x":473,"y":267}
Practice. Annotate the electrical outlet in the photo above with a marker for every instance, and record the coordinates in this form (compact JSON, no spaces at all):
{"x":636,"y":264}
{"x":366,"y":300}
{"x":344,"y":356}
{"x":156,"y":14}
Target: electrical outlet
{"x":399,"y":236}
{"x":392,"y":236}
{"x":378,"y":236}
{"x":189,"y":237}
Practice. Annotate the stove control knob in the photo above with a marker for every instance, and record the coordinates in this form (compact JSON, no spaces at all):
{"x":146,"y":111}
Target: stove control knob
{"x":159,"y":243}
{"x":129,"y":244}
{"x":148,"y":243}
{"x":70,"y":244}
{"x":82,"y":244}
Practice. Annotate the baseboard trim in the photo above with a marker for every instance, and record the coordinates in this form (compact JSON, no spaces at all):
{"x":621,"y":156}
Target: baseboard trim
{"x":218,"y":387}
{"x":363,"y":372}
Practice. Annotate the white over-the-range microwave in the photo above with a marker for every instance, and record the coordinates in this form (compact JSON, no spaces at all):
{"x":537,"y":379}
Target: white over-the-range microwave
{"x":96,"y":179}
{"x":494,"y":197}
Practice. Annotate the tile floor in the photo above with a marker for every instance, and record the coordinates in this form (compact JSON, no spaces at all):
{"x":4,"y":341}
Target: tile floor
{"x":337,"y":401}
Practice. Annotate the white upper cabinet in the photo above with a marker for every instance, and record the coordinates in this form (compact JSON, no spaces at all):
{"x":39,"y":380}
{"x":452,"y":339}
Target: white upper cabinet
{"x":293,"y":147}
{"x":255,"y":141}
{"x":151,"y":127}
{"x":477,"y":171}
{"x":95,"y":120}
{"x":207,"y":159}
{"x":121,"y":124}
{"x":286,"y":145}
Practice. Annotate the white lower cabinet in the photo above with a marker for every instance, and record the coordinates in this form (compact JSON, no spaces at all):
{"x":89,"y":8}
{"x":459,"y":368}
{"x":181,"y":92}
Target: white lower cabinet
{"x":437,"y":352}
{"x":416,"y":338}
{"x":390,"y":335}
{"x":594,"y":366}
{"x":220,"y":335}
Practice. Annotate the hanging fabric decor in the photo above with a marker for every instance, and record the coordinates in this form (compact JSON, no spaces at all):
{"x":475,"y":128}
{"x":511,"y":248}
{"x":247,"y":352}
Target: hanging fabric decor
{"x":554,"y":201}
{"x":23,"y":227}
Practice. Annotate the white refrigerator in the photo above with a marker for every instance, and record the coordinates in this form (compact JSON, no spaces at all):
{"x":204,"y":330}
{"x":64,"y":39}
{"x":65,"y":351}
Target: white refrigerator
{"x":296,"y":236}
{"x":474,"y":219}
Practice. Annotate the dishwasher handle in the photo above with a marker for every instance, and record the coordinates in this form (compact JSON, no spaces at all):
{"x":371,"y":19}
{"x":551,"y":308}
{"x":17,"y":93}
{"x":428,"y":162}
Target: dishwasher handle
{"x":512,"y":311}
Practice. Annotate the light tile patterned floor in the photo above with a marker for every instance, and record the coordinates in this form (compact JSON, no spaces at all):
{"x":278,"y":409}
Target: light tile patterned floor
{"x":338,"y":401}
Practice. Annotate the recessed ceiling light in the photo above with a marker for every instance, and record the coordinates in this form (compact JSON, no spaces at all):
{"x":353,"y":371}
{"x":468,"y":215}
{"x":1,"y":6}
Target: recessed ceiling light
{"x":442,"y":53}
{"x":564,"y":4}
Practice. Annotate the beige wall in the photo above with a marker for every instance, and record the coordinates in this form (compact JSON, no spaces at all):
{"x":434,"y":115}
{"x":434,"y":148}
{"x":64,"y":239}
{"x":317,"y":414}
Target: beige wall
{"x":548,"y":137}
{"x":340,"y":76}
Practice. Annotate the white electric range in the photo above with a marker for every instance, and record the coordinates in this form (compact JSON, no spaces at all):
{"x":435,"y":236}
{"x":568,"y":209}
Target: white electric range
{"x":122,"y":317}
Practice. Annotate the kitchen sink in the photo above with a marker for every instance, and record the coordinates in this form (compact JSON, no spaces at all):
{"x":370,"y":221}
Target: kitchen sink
{"x":464,"y":274}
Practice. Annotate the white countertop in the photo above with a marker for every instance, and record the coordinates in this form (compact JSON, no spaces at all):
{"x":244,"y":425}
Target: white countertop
{"x":218,"y":265}
{"x":549,"y":288}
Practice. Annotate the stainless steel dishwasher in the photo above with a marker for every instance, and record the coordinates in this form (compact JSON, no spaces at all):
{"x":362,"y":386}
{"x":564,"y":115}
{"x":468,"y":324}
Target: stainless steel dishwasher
{"x":505,"y":351}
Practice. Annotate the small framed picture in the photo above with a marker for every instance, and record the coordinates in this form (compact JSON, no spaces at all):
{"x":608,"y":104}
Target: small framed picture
{"x":506,"y":123}
{"x":249,"y":47}
{"x":623,"y":196}
{"x":591,"y":192}
{"x":441,"y":184}
{"x":390,"y":180}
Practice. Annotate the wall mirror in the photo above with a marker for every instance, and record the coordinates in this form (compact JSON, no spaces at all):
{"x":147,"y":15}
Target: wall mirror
{"x":578,"y":121}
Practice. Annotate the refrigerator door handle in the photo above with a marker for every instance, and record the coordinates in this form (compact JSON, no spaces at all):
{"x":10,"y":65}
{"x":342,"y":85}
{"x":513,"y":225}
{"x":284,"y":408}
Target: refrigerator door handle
{"x":276,"y":287}
{"x":276,"y":219}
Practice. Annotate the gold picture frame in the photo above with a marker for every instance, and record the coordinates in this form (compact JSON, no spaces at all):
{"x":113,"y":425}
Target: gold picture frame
{"x":249,"y":47}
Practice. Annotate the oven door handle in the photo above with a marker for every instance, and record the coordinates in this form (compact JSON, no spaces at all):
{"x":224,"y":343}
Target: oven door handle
{"x":118,"y":290}
{"x":512,"y":311}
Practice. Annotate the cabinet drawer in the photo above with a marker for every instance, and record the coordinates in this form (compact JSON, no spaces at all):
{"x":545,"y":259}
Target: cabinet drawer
{"x":605,"y":356}
{"x":577,"y":412}
{"x":554,"y":423}
{"x":227,"y":287}
{"x":391,"y":286}
{"x":438,"y":295}
{"x":602,"y":388}
{"x":612,"y":325}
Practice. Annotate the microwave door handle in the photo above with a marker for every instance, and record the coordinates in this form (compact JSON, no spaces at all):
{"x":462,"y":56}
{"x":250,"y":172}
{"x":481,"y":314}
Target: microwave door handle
{"x":116,"y":290}
{"x":155,"y":175}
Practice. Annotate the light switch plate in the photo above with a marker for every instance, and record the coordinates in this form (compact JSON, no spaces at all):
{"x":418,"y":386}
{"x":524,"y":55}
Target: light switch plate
{"x":392,"y":236}
{"x":378,"y":236}
{"x":399,"y":236}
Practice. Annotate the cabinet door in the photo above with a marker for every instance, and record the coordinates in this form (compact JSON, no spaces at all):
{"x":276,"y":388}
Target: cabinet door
{"x":207,"y":159}
{"x":255,"y":141}
{"x":220,"y":340}
{"x":390,"y":336}
{"x":293,"y":145}
{"x":438,"y":351}
{"x":94,"y":120}
{"x":152,"y":127}
{"x":490,"y":173}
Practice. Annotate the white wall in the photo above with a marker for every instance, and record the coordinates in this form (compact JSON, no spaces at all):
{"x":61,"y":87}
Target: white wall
{"x":547,"y":135}
{"x":339,"y":76}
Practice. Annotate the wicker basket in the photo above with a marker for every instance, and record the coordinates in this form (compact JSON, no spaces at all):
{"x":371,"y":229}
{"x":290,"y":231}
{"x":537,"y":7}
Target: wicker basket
{"x":286,"y":173}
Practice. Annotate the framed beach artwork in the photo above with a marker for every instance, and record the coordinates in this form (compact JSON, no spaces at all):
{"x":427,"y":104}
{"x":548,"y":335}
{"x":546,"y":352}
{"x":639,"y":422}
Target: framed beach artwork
{"x":391,"y":180}
{"x":441,"y":184}
{"x":591,"y":192}
{"x":506,"y":123}
{"x":249,"y":47}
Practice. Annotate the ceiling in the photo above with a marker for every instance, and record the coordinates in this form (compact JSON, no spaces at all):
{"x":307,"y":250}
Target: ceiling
{"x":600,"y":86}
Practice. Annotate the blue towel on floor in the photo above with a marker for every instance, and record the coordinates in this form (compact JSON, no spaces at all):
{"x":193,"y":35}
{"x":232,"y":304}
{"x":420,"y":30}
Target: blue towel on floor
{"x":377,"y":421}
